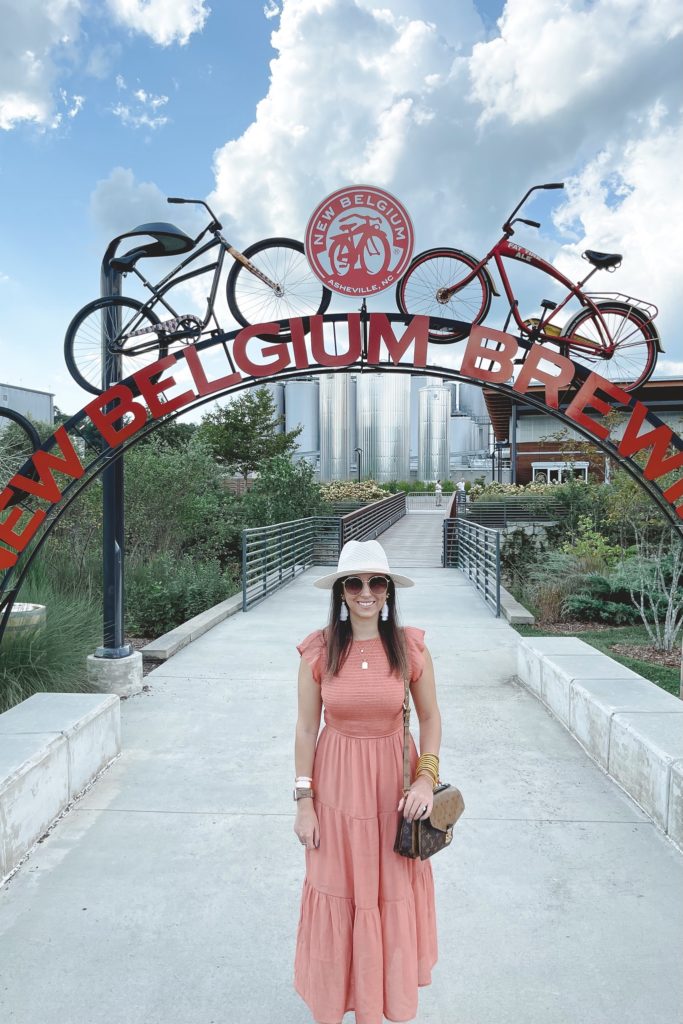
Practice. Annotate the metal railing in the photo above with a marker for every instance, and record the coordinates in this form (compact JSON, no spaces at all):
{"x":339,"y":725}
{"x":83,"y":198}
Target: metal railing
{"x":475,"y":550}
{"x":368,"y":522}
{"x":274,"y":555}
{"x":510,"y":511}
{"x":418,"y":502}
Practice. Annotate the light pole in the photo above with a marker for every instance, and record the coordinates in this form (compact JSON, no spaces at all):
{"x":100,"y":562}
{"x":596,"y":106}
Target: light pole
{"x":359,"y":453}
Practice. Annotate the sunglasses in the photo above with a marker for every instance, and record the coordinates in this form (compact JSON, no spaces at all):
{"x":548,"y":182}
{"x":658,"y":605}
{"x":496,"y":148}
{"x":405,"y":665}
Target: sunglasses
{"x":377,"y":584}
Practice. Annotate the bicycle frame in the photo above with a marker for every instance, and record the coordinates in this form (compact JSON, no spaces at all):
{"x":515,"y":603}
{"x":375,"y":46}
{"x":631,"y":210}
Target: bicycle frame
{"x":174,"y":277}
{"x":505,"y":249}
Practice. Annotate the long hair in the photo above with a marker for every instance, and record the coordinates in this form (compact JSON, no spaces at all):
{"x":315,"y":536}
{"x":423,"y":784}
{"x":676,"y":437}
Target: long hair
{"x":339,"y":635}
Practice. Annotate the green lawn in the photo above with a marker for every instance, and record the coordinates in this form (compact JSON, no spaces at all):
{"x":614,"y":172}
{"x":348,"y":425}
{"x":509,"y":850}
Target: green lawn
{"x":667,"y":678}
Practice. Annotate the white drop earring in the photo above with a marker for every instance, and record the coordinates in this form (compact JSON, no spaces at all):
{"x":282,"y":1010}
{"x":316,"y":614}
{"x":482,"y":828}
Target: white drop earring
{"x":384,"y":614}
{"x":343,"y":612}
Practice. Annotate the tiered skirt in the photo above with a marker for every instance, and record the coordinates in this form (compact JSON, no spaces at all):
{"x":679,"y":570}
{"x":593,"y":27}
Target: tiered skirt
{"x":366,"y":937}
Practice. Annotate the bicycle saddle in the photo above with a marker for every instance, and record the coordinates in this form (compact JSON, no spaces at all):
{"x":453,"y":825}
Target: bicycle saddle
{"x":603,"y":260}
{"x":127,"y":260}
{"x":169,"y":241}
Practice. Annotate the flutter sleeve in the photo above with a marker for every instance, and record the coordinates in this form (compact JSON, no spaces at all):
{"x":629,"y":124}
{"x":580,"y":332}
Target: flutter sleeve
{"x":313,"y":648}
{"x":415,"y":644}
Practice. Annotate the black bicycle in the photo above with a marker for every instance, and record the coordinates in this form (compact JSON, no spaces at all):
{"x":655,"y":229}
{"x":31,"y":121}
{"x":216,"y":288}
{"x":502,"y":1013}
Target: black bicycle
{"x":270,"y":280}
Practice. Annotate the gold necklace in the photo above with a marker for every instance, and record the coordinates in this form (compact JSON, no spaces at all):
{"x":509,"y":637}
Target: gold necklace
{"x":364,"y":663}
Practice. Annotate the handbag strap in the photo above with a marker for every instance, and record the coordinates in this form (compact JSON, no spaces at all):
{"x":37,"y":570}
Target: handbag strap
{"x":406,"y":733}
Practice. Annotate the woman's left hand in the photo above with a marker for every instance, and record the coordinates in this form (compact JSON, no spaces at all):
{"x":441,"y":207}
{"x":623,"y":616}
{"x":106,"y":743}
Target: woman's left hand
{"x":420,"y":793}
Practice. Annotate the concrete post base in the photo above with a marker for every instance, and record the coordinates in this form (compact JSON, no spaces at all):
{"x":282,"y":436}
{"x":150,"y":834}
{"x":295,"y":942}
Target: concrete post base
{"x":122,"y":676}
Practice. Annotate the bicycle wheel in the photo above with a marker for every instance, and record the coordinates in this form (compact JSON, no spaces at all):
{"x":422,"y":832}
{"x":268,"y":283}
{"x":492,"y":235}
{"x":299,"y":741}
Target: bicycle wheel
{"x":633,"y":360}
{"x":375,"y":255}
{"x":282,"y":260}
{"x":19,"y":439}
{"x":340,"y":258}
{"x":83,"y":340}
{"x":435,"y":269}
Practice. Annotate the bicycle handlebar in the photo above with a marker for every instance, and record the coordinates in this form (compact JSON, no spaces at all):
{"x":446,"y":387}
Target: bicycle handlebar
{"x":507,"y":226}
{"x":215,"y":223}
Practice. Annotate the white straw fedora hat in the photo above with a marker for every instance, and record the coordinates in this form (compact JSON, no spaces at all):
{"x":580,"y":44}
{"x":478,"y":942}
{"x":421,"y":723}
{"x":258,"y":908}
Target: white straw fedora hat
{"x":362,"y":556}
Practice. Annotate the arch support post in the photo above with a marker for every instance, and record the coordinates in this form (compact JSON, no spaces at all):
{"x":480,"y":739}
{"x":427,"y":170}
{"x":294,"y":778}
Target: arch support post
{"x":113,"y":543}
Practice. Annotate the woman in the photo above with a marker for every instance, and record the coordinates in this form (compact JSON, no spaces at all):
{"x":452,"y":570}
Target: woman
{"x":366,"y":937}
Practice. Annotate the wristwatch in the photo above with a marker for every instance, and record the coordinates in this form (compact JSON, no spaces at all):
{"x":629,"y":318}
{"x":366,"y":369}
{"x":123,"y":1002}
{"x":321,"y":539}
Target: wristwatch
{"x":300,"y":792}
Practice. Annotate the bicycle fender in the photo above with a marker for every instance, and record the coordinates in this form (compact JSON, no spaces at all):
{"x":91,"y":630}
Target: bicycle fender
{"x":489,"y":277}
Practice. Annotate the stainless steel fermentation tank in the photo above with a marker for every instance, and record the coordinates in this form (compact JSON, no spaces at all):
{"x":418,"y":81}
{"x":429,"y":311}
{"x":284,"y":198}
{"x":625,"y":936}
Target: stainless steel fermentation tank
{"x":335,"y":423}
{"x":383,"y":425}
{"x":433,"y":449}
{"x":301,"y":409}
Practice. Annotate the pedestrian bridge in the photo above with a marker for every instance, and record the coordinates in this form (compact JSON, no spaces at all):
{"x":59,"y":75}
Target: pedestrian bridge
{"x":169,"y":892}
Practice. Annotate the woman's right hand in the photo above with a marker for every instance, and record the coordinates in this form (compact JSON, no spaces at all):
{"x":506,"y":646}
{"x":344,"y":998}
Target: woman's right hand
{"x":306,"y":824}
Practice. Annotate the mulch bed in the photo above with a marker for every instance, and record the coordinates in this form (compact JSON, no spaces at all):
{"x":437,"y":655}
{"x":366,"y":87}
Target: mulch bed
{"x":641,"y":652}
{"x":137,"y":643}
{"x":573,"y":627}
{"x":648,"y":654}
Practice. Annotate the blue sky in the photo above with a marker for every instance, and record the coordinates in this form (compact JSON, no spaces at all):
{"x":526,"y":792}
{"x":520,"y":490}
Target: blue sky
{"x":456,"y":108}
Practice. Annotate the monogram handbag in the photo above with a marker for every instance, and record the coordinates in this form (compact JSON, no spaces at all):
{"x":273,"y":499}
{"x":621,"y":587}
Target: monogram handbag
{"x":424,"y":837}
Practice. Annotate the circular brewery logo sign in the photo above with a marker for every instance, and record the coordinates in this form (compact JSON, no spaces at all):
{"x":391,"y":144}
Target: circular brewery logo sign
{"x":359,"y":240}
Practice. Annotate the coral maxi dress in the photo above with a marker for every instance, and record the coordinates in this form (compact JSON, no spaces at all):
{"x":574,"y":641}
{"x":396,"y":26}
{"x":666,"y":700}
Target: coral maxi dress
{"x":366,"y":937}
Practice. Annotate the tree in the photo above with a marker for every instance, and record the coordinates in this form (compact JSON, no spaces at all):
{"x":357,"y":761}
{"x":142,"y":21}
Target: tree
{"x":283,"y":491}
{"x":241,"y":435}
{"x":175,"y":434}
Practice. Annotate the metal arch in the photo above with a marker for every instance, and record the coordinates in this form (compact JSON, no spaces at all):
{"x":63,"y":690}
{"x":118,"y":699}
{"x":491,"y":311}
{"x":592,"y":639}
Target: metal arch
{"x":105,"y":455}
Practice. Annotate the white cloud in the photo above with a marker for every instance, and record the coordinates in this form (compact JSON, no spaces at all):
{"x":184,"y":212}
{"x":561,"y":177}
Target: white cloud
{"x":142,"y":111}
{"x":39,"y":37}
{"x":164,"y":21}
{"x":553,"y":54}
{"x":119,"y":202}
{"x":407,"y":96}
{"x":35,"y":36}
{"x":628,"y":200}
{"x":271,"y":9}
{"x":101,"y":58}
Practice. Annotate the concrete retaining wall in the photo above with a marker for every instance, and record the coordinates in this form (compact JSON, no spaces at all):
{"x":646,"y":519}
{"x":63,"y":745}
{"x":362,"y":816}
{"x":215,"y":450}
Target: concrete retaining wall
{"x":52,"y":745}
{"x":631,"y":727}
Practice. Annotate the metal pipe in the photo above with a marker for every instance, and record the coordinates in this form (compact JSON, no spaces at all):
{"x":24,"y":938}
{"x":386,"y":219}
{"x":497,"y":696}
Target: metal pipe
{"x":113,"y":549}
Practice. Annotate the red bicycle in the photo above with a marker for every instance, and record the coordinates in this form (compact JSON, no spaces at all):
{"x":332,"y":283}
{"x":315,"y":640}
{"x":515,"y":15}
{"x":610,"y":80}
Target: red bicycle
{"x":612,"y":333}
{"x":361,"y":245}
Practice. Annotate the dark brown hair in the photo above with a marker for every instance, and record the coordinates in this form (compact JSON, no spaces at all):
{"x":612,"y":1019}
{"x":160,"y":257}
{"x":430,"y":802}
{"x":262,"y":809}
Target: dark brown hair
{"x":339,"y":635}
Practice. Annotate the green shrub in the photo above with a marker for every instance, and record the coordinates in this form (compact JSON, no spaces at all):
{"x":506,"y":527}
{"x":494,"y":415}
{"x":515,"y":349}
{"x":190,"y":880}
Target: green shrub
{"x":53,"y":657}
{"x":351,"y":490}
{"x":168,"y":590}
{"x":418,"y":486}
{"x":553,"y":579}
{"x":283,"y":491}
{"x":175,"y":502}
{"x":590,"y":548}
{"x":593,"y":609}
{"x":519,"y":553}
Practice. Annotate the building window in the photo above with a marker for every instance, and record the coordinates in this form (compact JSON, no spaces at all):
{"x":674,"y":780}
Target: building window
{"x":558,"y":472}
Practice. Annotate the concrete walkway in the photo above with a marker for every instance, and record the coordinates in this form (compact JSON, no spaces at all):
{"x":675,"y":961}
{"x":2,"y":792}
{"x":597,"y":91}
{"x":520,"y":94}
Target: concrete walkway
{"x":169,"y":894}
{"x":415,"y":540}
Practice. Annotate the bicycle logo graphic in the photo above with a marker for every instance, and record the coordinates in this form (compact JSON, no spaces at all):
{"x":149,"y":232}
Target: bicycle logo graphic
{"x":359,"y":240}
